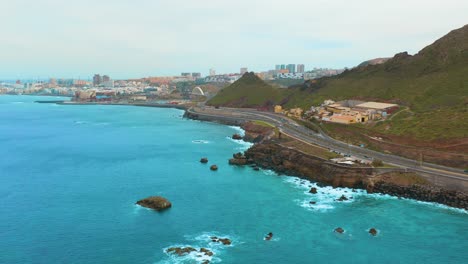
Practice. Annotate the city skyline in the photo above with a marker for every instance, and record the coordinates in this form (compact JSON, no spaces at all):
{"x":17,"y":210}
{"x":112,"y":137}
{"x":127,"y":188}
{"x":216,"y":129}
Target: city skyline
{"x":52,"y":38}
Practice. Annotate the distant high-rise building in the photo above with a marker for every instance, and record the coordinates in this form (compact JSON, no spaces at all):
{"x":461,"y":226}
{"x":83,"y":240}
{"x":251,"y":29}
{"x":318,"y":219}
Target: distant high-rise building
{"x":185,"y":74}
{"x":283,"y":67}
{"x":243,"y":70}
{"x":212,"y":72}
{"x":196,"y":75}
{"x":97,"y":79}
{"x":300,"y":68}
{"x":277,"y":67}
{"x":105,"y":78}
{"x":291,"y":68}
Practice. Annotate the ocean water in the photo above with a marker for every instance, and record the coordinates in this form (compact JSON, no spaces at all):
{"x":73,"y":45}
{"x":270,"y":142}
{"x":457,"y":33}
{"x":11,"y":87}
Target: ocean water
{"x":70,"y":177}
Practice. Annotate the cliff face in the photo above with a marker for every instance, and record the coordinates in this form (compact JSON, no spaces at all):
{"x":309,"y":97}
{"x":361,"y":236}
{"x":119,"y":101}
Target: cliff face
{"x":292,"y":162}
{"x":256,"y":133}
{"x":269,"y":155}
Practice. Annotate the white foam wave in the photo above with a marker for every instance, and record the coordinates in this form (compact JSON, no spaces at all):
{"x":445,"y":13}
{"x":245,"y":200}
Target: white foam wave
{"x":439,"y":206}
{"x":197,"y":242}
{"x":200,"y":141}
{"x":325,"y":199}
{"x":239,"y":130}
{"x":244,"y":145}
{"x":17,"y":102}
{"x":269,"y":172}
{"x":194,"y":256}
{"x":80,"y":122}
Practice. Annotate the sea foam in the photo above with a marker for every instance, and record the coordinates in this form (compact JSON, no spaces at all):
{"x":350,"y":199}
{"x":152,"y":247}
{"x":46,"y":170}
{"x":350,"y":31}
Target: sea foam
{"x":202,"y":240}
{"x":325,"y":199}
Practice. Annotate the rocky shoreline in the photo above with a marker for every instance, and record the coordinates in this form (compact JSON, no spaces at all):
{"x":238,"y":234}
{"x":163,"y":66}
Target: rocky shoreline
{"x":273,"y":156}
{"x":268,"y":153}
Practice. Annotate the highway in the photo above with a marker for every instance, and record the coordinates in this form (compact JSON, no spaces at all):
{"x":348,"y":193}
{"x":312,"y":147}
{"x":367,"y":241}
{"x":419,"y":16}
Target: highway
{"x":289,"y":127}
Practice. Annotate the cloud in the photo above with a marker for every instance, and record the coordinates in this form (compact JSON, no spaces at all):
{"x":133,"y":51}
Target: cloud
{"x":146,"y":37}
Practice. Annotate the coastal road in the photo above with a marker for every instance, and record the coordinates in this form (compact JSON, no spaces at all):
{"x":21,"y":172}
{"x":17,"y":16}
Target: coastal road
{"x":291,"y":128}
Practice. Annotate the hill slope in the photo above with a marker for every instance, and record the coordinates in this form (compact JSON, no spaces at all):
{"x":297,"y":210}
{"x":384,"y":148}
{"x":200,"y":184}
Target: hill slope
{"x":435,"y":77}
{"x":248,"y":91}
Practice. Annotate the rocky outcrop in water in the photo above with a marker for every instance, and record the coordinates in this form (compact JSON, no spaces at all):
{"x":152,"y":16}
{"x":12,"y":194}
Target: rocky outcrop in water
{"x":238,"y":159}
{"x":181,"y":251}
{"x":339,"y":230}
{"x":373,"y":231}
{"x":224,"y":241}
{"x":342,"y":198}
{"x":204,"y":160}
{"x":214,"y":167}
{"x":157,"y":203}
{"x":236,"y":137}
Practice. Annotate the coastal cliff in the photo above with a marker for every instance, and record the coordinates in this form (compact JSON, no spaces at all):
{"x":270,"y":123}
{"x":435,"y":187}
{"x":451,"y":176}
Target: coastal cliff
{"x":288,"y":161}
{"x":270,"y":152}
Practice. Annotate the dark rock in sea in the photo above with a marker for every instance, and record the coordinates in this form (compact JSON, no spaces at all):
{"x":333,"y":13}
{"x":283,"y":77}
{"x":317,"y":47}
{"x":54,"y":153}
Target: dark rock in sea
{"x":312,"y":202}
{"x":342,"y":198}
{"x":236,"y":137}
{"x":204,"y":160}
{"x":155,"y":202}
{"x":239,"y":162}
{"x":206,"y":252}
{"x":313,"y":190}
{"x":269,"y":236}
{"x":373,"y":231}
{"x":238,"y":155}
{"x":181,"y":251}
{"x":224,"y":241}
{"x":339,"y":230}
{"x":206,"y":262}
{"x":256,"y":168}
{"x":214,"y":167}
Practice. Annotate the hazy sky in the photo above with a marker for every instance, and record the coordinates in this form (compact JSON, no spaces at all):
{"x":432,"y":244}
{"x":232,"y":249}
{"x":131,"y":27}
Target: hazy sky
{"x":136,"y":38}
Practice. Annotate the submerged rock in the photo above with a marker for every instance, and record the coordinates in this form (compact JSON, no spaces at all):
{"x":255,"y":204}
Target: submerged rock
{"x":181,"y":251}
{"x":155,"y":202}
{"x":206,"y":252}
{"x":224,"y":241}
{"x":313,"y":190}
{"x":342,"y":198}
{"x":204,"y":160}
{"x":312,"y":202}
{"x":214,"y":167}
{"x":239,"y":162}
{"x":339,"y":230}
{"x":373,"y":231}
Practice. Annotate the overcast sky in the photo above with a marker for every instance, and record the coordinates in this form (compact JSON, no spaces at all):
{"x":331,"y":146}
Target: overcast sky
{"x":137,"y":38}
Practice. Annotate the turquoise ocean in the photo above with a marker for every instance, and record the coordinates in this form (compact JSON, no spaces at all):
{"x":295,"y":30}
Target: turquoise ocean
{"x":70,"y":177}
